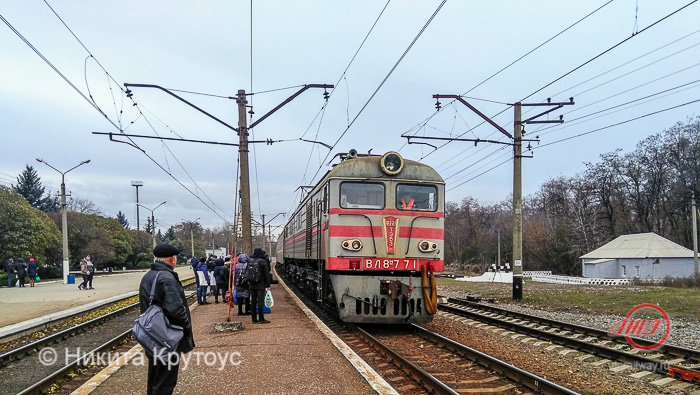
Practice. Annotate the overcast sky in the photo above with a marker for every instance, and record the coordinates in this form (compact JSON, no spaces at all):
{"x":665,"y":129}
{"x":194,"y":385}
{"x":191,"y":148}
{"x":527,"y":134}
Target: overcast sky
{"x":205,"y":47}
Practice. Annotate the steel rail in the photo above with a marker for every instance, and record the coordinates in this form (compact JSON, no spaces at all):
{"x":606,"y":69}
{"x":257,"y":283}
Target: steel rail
{"x":428,"y":381}
{"x":42,"y":386}
{"x":595,"y":349}
{"x":30,"y":348}
{"x":681,"y":352}
{"x":530,"y":380}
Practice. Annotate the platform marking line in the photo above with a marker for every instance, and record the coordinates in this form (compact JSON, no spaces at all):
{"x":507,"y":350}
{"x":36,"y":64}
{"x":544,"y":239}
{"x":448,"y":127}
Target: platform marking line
{"x":107,"y":372}
{"x":373,"y":378}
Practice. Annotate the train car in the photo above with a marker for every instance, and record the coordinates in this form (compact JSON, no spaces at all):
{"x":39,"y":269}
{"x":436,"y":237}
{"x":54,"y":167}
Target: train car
{"x":367,"y":239}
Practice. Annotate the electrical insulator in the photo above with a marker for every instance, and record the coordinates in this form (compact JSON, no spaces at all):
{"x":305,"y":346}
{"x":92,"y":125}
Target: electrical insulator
{"x":438,"y":105}
{"x":326,"y":95}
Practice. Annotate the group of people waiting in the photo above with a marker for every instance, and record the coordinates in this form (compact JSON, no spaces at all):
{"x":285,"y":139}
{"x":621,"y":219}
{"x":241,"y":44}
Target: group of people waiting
{"x":213,"y":276}
{"x":21,"y":271}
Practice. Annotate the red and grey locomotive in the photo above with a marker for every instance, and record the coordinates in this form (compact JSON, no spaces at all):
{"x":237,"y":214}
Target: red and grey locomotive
{"x":368,"y":238}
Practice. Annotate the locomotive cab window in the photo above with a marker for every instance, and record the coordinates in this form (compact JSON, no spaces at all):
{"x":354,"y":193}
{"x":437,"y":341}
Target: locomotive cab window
{"x":361,"y":195}
{"x":416,"y":197}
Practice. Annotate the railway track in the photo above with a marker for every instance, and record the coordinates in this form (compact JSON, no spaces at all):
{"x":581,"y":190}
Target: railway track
{"x":678,"y":362}
{"x":44,"y":361}
{"x":417,"y":361}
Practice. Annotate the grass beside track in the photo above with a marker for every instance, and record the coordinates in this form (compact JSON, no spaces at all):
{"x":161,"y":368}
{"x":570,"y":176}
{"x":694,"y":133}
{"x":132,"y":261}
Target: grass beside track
{"x":618,"y":300}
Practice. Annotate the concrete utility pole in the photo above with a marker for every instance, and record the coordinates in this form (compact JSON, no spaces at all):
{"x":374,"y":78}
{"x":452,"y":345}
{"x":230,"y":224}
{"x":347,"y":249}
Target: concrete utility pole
{"x":247,"y":242}
{"x":242,"y":130}
{"x":137,"y":184}
{"x":64,"y":215}
{"x":517,"y":143}
{"x":694,"y":210}
{"x":517,"y":203}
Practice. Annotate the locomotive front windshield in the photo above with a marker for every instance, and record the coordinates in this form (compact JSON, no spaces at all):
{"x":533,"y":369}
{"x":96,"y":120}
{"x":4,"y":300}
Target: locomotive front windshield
{"x":362,"y":195}
{"x":416,"y":197}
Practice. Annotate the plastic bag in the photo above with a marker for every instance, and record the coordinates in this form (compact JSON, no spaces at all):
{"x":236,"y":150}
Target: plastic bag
{"x":37,"y":278}
{"x":235,"y":297}
{"x":269,"y":300}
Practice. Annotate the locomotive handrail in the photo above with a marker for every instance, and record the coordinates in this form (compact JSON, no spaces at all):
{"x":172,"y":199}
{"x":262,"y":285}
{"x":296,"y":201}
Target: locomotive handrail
{"x":410,"y":231}
{"x":371,"y":229}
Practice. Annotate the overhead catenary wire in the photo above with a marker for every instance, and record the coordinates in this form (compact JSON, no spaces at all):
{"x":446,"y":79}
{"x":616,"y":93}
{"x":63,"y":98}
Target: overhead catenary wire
{"x":415,"y":39}
{"x":94,"y":105}
{"x":75,"y":88}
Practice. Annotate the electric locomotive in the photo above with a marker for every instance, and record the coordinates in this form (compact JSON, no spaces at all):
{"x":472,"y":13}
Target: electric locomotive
{"x":367,"y":239}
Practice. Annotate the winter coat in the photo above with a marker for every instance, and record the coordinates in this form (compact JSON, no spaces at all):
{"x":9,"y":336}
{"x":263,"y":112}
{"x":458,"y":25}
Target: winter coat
{"x":203,"y":274}
{"x":210,"y":265}
{"x":21,"y":268}
{"x":31,"y":269}
{"x":194,"y":263}
{"x":219,"y":275}
{"x":264,"y":282}
{"x":83,"y":267}
{"x":240,"y":271}
{"x":90,"y":267}
{"x":10,"y":267}
{"x":170,"y":296}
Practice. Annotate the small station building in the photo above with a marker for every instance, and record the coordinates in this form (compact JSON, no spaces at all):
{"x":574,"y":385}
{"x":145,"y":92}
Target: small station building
{"x":646,"y":256}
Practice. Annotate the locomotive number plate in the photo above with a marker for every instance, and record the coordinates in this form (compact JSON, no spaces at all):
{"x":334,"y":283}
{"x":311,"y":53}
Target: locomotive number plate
{"x":391,"y":264}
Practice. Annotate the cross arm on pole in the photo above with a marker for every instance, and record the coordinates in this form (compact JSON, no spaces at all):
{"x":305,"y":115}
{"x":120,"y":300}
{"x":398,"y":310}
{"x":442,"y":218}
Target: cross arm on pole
{"x":290,"y":98}
{"x":479,"y":113}
{"x":129,"y":94}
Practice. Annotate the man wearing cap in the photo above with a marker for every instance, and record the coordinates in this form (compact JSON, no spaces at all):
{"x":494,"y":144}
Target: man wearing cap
{"x":170,"y":296}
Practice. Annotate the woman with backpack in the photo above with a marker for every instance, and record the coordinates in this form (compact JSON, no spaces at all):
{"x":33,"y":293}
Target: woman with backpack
{"x":241,"y":285}
{"x":258,"y":276}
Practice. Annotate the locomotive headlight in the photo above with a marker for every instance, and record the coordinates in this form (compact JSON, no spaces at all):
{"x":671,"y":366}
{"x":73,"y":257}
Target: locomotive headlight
{"x":427,"y":246}
{"x":352,"y":245}
{"x":391,"y":163}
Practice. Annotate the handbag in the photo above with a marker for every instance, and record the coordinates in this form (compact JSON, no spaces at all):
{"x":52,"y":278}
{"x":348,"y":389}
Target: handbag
{"x":153,"y":330}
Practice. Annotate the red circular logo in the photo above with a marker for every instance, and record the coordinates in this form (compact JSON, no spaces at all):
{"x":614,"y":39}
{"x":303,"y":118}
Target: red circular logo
{"x":666,"y":319}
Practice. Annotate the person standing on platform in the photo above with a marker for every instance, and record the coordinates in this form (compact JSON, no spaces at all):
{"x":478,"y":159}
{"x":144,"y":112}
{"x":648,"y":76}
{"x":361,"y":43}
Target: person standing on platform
{"x":31,"y":272}
{"x":10,"y":270}
{"x":257,"y":288}
{"x":90,"y":272}
{"x":170,"y":296}
{"x":241,"y":287}
{"x":203,"y":275}
{"x":83,"y":272}
{"x":194,"y":262}
{"x":227,"y":274}
{"x":21,"y":269}
{"x":219,"y":279}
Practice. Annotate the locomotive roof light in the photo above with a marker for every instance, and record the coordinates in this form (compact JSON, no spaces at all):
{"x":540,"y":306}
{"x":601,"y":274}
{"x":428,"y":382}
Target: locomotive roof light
{"x":391,"y":163}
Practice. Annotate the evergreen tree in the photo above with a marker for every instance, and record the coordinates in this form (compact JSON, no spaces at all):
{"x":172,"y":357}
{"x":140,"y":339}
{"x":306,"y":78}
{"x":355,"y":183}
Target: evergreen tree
{"x":30,"y":188}
{"x":122,"y":220}
{"x":169,"y":235}
{"x":149,"y":226}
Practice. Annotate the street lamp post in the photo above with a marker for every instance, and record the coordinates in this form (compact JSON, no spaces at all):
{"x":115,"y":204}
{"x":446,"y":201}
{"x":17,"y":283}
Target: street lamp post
{"x":64,"y":215}
{"x":153,"y":221}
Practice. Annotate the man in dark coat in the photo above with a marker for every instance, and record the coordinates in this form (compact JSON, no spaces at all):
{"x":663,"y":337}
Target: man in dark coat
{"x":10,"y":270}
{"x":170,"y":296}
{"x":257,"y":289}
{"x":21,"y":269}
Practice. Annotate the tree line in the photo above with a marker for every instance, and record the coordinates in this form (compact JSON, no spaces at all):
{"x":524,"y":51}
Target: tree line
{"x":30,"y":223}
{"x":646,"y":190}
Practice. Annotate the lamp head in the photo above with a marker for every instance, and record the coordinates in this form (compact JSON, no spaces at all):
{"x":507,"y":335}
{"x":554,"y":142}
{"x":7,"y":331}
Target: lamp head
{"x":39,"y":160}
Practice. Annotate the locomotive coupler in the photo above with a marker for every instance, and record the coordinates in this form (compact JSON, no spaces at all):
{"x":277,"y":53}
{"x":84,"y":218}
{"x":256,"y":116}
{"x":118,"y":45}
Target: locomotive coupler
{"x":393,"y":288}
